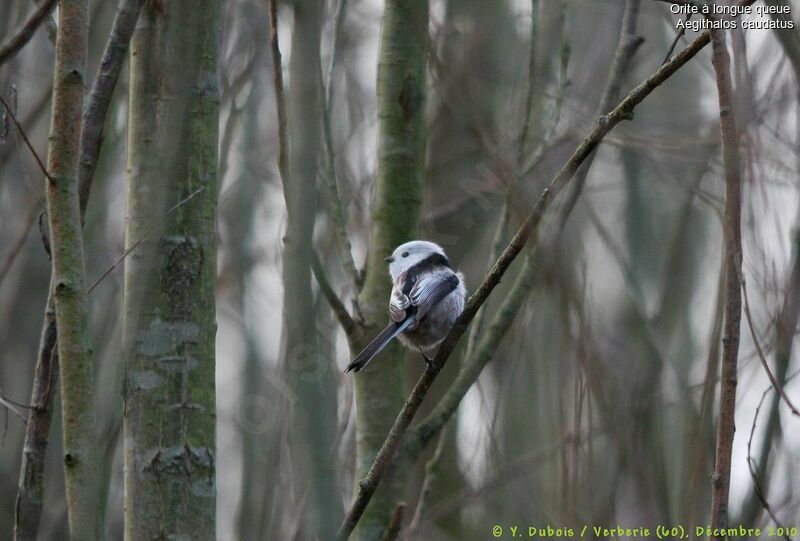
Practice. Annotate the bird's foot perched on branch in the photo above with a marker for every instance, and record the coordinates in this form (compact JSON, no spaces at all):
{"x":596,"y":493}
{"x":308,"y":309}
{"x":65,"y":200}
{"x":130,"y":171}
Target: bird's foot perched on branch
{"x":428,"y":360}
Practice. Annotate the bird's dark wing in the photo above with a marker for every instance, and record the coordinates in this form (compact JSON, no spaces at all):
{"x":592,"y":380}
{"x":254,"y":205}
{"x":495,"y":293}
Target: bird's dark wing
{"x":432,"y":263}
{"x":430,"y":288}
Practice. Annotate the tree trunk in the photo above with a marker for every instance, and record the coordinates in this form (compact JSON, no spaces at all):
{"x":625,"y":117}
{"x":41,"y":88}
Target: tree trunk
{"x":69,"y":275}
{"x":308,"y":369}
{"x":380,"y":388}
{"x":169,"y":314}
{"x":30,"y":490}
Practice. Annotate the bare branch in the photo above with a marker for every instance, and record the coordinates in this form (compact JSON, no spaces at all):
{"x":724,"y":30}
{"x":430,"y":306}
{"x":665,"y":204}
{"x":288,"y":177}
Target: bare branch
{"x":629,"y":43}
{"x":751,"y":465}
{"x":720,"y":482}
{"x":16,"y":246}
{"x":786,"y":322}
{"x":526,"y":117}
{"x":24,"y":136}
{"x":30,"y":492}
{"x":13,"y":407}
{"x":773,"y":381}
{"x":431,"y":475}
{"x":25,"y":33}
{"x":335,"y":203}
{"x":678,"y":36}
{"x":280,"y":99}
{"x":349,"y":326}
{"x":94,"y":115}
{"x":393,"y":531}
{"x":141,"y":239}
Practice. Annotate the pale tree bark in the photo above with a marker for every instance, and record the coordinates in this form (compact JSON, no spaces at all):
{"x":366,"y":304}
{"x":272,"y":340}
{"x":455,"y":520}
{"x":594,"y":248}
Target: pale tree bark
{"x":169,"y":313}
{"x":30,"y":491}
{"x":68,"y":270}
{"x":401,"y":151}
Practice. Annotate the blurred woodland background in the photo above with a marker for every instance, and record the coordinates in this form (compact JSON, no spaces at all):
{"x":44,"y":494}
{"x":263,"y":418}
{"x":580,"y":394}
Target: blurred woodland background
{"x":586,"y":389}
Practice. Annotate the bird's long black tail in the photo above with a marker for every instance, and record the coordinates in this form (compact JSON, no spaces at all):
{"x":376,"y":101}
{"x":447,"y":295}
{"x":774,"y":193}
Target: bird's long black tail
{"x":376,"y":346}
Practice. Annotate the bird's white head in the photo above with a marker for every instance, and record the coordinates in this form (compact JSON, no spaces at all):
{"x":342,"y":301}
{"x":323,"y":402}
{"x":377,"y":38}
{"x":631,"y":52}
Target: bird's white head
{"x":409,"y":254}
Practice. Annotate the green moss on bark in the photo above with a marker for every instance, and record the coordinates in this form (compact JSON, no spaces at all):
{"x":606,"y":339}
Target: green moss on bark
{"x":169,"y":313}
{"x":69,"y":280}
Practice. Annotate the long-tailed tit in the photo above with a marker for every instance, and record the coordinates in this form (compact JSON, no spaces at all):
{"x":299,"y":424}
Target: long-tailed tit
{"x":427,"y":297}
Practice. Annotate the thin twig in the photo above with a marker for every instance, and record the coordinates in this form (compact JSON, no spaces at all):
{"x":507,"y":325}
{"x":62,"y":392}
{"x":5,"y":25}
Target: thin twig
{"x":29,"y":502}
{"x":773,"y":381}
{"x":629,"y":42}
{"x":494,"y":253}
{"x":25,"y":33}
{"x":5,"y":128}
{"x":25,"y":138}
{"x":505,"y":212}
{"x":393,"y":530}
{"x":280,"y":99}
{"x":335,"y":200}
{"x":751,"y":465}
{"x":526,"y":117}
{"x":786,"y":321}
{"x":50,"y":25}
{"x":431,"y":475}
{"x":349,"y":326}
{"x":623,"y":111}
{"x":16,"y":246}
{"x":565,"y":51}
{"x":675,"y":41}
{"x":141,"y":239}
{"x":12,"y":407}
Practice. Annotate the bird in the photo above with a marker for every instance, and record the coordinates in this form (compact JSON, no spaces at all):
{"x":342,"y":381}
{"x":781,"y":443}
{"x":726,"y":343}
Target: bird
{"x":427,"y":297}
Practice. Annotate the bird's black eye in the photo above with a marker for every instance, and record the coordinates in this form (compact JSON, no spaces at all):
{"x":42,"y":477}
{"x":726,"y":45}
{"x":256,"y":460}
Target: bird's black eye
{"x":405,"y":254}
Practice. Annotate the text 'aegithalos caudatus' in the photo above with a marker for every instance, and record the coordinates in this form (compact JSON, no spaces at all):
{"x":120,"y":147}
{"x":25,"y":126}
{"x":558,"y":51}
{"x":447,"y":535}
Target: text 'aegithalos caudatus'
{"x":427,"y":297}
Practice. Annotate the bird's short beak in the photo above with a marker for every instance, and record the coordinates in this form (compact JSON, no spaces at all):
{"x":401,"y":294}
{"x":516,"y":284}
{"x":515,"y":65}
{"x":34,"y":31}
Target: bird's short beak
{"x":389,"y":259}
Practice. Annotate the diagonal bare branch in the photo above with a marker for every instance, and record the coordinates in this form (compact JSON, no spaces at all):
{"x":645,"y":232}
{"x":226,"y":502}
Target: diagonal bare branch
{"x":24,"y":136}
{"x":752,"y":466}
{"x":772,"y":379}
{"x":25,"y":33}
{"x":94,"y":114}
{"x":141,"y":239}
{"x":349,"y":326}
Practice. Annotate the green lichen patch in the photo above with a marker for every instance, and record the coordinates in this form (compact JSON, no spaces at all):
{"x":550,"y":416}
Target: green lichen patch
{"x":182,"y":270}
